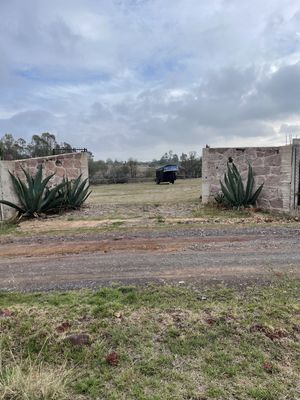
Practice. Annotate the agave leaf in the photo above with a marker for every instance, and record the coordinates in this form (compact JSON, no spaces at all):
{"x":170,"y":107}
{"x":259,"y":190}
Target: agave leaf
{"x":227,"y":194}
{"x":15,"y":206}
{"x":241,"y":191}
{"x":80,"y":199}
{"x":84,"y":192}
{"x":232,"y":183}
{"x":76,"y":182}
{"x":88,"y":194}
{"x":37,"y":180}
{"x":29,"y":192}
{"x":250,"y":183}
{"x":42,"y":192}
{"x":29,"y":179}
{"x":73,"y":190}
{"x":22,"y":192}
{"x":226,"y":181}
{"x":23,"y":196}
{"x":239,"y":185}
{"x":82,"y":186}
{"x":254,"y":197}
{"x":18,"y":187}
{"x":235,"y":172}
{"x":54,"y":199}
{"x":77,"y":192}
{"x":38,"y":189}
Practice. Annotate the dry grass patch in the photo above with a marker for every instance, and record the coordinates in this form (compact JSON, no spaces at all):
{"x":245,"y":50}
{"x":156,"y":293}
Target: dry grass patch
{"x":29,"y":381}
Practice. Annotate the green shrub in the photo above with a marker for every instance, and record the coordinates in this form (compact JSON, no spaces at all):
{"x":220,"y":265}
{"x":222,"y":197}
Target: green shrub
{"x":233,"y":188}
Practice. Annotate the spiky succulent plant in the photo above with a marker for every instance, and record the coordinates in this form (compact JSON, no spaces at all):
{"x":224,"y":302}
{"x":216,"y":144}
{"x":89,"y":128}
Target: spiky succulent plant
{"x":75,"y":192}
{"x":233,"y":187}
{"x":36,"y":198}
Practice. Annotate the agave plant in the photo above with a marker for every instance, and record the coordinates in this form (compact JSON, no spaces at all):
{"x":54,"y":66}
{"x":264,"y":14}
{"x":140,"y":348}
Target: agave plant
{"x":35,"y":198}
{"x":75,"y":192}
{"x":233,"y":188}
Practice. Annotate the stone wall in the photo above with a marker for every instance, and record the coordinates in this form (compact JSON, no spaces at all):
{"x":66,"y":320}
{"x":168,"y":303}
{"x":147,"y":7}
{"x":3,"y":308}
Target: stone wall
{"x":70,"y":165}
{"x":271,"y":166}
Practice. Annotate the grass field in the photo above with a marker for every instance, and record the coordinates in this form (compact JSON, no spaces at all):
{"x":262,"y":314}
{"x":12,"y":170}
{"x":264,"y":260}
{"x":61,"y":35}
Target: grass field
{"x":147,"y":193}
{"x":155,"y":343}
{"x":143,"y":206}
{"x":121,"y":205}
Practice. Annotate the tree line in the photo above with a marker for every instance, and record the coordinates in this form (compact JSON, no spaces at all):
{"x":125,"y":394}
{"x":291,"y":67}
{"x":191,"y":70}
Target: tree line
{"x":100,"y":171}
{"x":39,"y":146}
{"x":109,"y":171}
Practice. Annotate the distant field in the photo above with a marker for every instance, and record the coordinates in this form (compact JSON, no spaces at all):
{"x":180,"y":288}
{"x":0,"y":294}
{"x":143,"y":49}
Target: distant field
{"x":149,"y":192}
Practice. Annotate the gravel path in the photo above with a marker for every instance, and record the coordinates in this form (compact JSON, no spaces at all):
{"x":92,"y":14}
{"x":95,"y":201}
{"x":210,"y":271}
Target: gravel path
{"x":231,"y":256}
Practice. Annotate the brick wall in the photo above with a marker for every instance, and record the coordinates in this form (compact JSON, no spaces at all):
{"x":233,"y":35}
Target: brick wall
{"x":70,"y":165}
{"x":271,"y":166}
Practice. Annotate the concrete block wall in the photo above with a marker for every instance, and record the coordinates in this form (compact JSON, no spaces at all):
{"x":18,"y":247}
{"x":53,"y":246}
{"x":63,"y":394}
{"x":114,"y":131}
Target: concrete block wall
{"x":271,"y":166}
{"x":70,"y":165}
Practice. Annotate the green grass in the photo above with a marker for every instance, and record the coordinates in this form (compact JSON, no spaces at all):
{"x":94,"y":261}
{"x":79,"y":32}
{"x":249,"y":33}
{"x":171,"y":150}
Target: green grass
{"x":146,"y":193}
{"x":210,"y":211}
{"x":7,"y":228}
{"x":170,"y":342}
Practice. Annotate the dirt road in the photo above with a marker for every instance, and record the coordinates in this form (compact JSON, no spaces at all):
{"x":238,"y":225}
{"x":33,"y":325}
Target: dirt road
{"x":233,"y":256}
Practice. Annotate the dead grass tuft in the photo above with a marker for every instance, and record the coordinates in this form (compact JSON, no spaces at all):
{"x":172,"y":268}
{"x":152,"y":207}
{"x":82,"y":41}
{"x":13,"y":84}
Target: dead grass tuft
{"x":35,"y":382}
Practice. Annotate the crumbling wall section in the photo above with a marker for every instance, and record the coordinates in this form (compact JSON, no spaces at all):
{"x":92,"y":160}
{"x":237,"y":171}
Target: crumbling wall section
{"x":271,"y":166}
{"x":70,"y":165}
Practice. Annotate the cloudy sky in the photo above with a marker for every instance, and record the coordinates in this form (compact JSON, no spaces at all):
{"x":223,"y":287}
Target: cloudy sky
{"x":139,"y":77}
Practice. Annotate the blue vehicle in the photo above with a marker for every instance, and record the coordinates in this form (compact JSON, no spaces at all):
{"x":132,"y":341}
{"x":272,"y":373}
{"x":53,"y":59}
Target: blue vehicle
{"x":167,"y":173}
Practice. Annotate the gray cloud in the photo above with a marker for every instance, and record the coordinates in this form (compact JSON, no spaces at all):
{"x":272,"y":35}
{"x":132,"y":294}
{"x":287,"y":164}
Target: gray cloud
{"x":21,"y":123}
{"x":135,"y":78}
